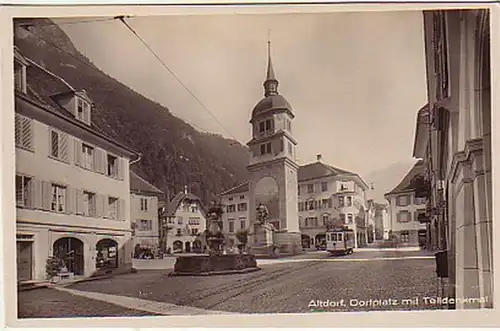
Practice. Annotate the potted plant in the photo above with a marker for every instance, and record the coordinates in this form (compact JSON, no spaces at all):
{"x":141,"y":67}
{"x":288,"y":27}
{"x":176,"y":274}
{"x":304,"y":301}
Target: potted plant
{"x":53,"y":267}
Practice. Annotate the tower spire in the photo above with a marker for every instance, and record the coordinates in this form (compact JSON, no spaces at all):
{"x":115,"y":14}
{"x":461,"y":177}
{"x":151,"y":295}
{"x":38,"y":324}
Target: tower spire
{"x":271,"y":83}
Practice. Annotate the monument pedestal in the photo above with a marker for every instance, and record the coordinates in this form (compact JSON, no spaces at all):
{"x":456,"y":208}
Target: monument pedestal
{"x":263,"y":241}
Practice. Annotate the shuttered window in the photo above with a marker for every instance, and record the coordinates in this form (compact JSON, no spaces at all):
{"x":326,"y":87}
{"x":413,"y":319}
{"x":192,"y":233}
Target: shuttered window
{"x":113,"y":208}
{"x":58,"y":142}
{"x":57,"y":198}
{"x":89,"y":204}
{"x":87,"y":157}
{"x":24,"y":132}
{"x":23,"y":191}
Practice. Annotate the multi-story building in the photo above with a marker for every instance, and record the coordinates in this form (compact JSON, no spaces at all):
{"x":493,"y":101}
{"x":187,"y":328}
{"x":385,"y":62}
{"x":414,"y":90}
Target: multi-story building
{"x":185,"y":217}
{"x":407,"y":211}
{"x":326,"y":196}
{"x":144,"y":212}
{"x":382,"y":221}
{"x":72,"y":194}
{"x":236,"y":212}
{"x":453,"y":137}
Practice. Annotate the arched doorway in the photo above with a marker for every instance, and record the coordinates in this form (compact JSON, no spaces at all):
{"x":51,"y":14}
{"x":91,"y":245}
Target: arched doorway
{"x":177,"y":246}
{"x":70,"y":251}
{"x":188,"y":246}
{"x":107,"y":253}
{"x":320,"y":240}
{"x":306,"y":241}
{"x":197,"y":246}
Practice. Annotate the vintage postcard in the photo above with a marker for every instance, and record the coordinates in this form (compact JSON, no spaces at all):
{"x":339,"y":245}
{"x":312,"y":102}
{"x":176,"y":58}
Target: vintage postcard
{"x":271,"y":162}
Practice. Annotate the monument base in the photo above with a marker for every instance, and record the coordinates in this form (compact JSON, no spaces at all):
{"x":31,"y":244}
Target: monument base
{"x":288,"y":243}
{"x":205,"y":265}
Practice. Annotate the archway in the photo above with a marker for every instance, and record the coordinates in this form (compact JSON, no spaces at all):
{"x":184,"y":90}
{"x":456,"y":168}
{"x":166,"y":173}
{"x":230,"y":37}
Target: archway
{"x":187,"y":247}
{"x":107,"y":253}
{"x":177,"y":246}
{"x":70,"y":251}
{"x":306,"y":241}
{"x":266,"y":192}
{"x":320,"y":240}
{"x":197,"y":246}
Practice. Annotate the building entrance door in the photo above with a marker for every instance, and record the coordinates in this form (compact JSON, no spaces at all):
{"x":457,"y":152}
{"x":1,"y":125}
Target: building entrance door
{"x":24,"y":260}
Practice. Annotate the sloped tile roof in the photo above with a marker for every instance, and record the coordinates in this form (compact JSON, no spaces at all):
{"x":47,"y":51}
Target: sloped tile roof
{"x":139,"y":184}
{"x":173,"y":204}
{"x":406,"y":183}
{"x":242,"y":188}
{"x":318,"y":170}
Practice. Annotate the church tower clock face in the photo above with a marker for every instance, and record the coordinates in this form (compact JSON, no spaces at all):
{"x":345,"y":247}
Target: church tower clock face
{"x":272,"y":165}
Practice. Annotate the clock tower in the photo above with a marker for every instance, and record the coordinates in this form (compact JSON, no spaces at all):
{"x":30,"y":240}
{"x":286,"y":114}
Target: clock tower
{"x":272,"y":165}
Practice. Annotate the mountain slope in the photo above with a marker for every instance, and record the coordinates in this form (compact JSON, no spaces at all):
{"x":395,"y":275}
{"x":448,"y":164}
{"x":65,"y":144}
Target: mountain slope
{"x":174,"y":154}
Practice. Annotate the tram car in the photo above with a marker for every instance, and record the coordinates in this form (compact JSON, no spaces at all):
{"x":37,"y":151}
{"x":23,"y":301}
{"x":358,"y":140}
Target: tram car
{"x":340,"y":241}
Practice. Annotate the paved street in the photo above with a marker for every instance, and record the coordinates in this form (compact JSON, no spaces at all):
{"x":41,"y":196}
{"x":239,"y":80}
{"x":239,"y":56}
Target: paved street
{"x":295,"y":285}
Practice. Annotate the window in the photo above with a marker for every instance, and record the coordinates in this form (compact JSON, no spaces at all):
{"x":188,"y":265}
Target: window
{"x":290,"y":148}
{"x":341,"y":201}
{"x":330,"y":204}
{"x":22,"y":191}
{"x":194,"y":232}
{"x":324,"y":186}
{"x":179,"y":220}
{"x":262,"y":127}
{"x":230,"y":199}
{"x":145,"y":225}
{"x":194,"y":221}
{"x":310,"y":188}
{"x":89,"y":204}
{"x":420,"y":201}
{"x":194,"y":208}
{"x":404,"y":216}
{"x":243,"y":224}
{"x":342,"y":218}
{"x":24,"y":132}
{"x":402,"y":200}
{"x":87,"y":157}
{"x":58,"y":198}
{"x":112,"y":166}
{"x":265,"y":148}
{"x":144,"y":204}
{"x":83,"y":111}
{"x":310,"y":205}
{"x":301,"y":206}
{"x":231,"y":227}
{"x":349,"y":218}
{"x":343,"y":187}
{"x":242,"y":206}
{"x":405,"y":236}
{"x":311,"y":222}
{"x":19,"y":77}
{"x":268,"y":125}
{"x":112,"y":208}
{"x":231,"y":208}
{"x":178,"y":233}
{"x":349,"y":201}
{"x":242,"y":197}
{"x":324,"y":203}
{"x":325,"y":219}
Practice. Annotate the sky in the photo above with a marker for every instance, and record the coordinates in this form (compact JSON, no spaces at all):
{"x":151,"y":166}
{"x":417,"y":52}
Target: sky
{"x":355,"y":80}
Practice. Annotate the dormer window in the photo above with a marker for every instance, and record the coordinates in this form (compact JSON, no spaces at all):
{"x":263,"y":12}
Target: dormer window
{"x":19,"y":76}
{"x":83,"y":110}
{"x":266,"y":126}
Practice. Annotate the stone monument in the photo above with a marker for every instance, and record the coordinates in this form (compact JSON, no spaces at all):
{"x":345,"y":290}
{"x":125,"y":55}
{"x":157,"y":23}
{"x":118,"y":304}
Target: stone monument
{"x":263,"y":234}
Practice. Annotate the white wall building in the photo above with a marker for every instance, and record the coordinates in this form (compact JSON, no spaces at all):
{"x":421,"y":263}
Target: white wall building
{"x":185,"y":217}
{"x":405,"y":210}
{"x":72,"y":195}
{"x":144,"y":212}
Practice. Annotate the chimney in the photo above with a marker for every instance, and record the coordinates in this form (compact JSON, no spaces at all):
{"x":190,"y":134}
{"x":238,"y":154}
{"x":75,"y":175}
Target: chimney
{"x":318,"y":157}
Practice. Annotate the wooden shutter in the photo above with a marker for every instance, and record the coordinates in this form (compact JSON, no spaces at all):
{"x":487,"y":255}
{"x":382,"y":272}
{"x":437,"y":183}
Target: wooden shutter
{"x":27,"y":133}
{"x":78,"y":151}
{"x":70,"y":200}
{"x":79,"y":202}
{"x":105,"y":206}
{"x":46,"y":195}
{"x":63,"y":147}
{"x":36,"y":193}
{"x":98,"y":205}
{"x":18,"y":130}
{"x":121,"y":210}
{"x":120,"y":163}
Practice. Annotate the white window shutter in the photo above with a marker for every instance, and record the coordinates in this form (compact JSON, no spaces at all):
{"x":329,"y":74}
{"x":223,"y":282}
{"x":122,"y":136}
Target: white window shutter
{"x":46,"y":195}
{"x":78,"y":151}
{"x":63,"y":147}
{"x":121,"y":210}
{"x":31,"y":194}
{"x":99,"y":203}
{"x":105,"y":204}
{"x":36,"y":193}
{"x":102,"y":161}
{"x":70,"y":199}
{"x":120,"y":162}
{"x":79,"y":202}
{"x":18,"y":130}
